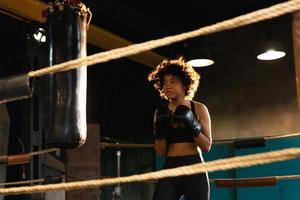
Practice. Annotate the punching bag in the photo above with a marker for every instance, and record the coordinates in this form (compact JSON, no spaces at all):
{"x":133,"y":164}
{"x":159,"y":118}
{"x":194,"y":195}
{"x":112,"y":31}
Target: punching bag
{"x":64,"y":98}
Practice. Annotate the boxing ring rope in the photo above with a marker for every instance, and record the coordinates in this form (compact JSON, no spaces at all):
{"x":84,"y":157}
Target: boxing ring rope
{"x":23,"y":158}
{"x":39,"y":180}
{"x":45,"y":151}
{"x":220,"y":182}
{"x":124,"y":145}
{"x":280,"y":136}
{"x":11,"y":159}
{"x":25,"y":182}
{"x":217,"y":165}
{"x":253,"y":182}
{"x":252,"y":17}
{"x":119,"y":144}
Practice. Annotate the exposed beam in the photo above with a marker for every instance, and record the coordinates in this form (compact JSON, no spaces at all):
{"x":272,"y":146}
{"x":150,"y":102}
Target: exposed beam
{"x":106,"y":40}
{"x":120,"y":13}
{"x":28,"y":9}
{"x":32,"y":10}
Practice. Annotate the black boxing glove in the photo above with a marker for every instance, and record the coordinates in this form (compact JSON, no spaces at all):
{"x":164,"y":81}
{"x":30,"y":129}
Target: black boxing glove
{"x":162,"y":122}
{"x":184,"y":115}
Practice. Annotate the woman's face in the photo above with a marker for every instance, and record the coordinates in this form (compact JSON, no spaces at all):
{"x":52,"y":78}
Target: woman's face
{"x":173,"y":87}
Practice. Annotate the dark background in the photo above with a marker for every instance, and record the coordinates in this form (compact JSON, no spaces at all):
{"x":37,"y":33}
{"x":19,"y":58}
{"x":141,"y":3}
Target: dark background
{"x":246,"y":97}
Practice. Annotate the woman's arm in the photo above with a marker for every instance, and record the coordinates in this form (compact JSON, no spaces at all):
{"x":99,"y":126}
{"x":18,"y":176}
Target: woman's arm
{"x":204,"y":139}
{"x":160,"y":145}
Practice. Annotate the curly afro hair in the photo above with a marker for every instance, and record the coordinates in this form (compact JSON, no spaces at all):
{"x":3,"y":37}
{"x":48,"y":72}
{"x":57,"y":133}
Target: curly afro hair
{"x":178,"y":67}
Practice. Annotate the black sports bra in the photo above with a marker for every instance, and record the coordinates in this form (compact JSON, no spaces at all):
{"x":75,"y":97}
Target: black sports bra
{"x":180,"y":134}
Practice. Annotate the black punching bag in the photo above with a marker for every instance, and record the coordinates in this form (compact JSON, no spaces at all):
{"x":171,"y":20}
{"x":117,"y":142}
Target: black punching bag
{"x":64,"y":100}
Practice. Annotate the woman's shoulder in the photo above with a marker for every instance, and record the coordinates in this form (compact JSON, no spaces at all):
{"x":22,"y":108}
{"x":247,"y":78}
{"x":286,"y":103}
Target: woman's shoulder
{"x":200,"y":106}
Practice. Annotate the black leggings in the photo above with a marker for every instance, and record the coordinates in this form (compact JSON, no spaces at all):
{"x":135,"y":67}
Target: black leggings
{"x":193,"y":187}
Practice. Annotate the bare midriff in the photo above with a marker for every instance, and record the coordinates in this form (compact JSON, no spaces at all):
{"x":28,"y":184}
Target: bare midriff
{"x":182,"y":149}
